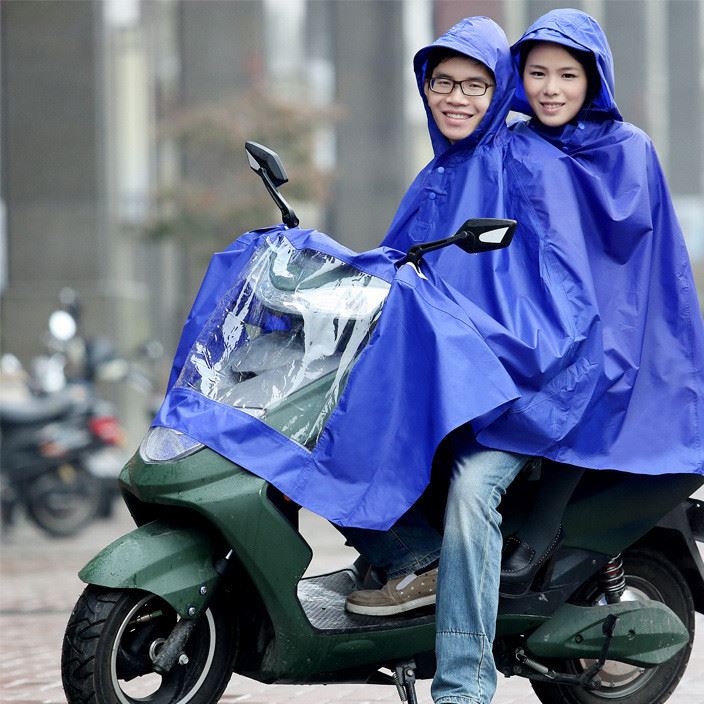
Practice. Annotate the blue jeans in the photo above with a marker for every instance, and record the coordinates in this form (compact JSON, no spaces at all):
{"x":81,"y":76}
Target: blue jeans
{"x":409,"y":545}
{"x":470,"y":566}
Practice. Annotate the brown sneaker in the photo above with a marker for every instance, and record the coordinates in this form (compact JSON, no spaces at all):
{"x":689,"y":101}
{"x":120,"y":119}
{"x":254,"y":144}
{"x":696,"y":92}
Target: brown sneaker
{"x":398,"y":595}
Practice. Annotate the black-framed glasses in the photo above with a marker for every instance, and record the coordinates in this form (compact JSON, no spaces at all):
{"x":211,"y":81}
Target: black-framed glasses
{"x":470,"y":87}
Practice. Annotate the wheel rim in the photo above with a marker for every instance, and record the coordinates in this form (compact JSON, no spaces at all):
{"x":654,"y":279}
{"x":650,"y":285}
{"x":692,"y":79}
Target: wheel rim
{"x":620,"y":680}
{"x":137,"y":642}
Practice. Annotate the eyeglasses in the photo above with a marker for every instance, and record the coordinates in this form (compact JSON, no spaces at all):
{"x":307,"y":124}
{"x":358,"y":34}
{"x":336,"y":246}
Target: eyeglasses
{"x":470,"y":87}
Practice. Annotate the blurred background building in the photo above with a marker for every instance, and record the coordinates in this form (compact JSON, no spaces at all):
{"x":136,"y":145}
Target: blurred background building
{"x":123,"y":123}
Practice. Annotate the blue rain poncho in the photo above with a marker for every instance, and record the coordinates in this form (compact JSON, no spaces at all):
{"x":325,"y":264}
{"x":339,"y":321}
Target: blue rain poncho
{"x":592,"y":309}
{"x":609,"y":238}
{"x":361,"y":456}
{"x":580,"y":342}
{"x":546,"y":333}
{"x":330,"y":374}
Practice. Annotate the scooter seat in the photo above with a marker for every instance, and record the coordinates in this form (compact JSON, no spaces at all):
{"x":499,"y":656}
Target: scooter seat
{"x":34,"y":409}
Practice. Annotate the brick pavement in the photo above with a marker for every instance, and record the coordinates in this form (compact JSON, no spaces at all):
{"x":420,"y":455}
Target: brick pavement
{"x":40,"y":587}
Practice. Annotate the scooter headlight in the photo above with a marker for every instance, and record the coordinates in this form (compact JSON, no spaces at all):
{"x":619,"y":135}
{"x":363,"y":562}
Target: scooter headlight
{"x":166,"y":445}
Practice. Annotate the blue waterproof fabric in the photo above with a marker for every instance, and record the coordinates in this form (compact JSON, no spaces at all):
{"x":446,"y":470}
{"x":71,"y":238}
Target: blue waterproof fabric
{"x":610,"y":239}
{"x":373,"y":458}
{"x":592,"y":309}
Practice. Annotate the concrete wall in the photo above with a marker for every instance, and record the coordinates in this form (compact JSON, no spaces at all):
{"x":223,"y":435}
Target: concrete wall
{"x":53,"y":161}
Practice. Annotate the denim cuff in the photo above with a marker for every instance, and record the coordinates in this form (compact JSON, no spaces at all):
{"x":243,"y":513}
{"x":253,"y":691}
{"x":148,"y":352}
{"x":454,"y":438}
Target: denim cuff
{"x":418,"y":564}
{"x":457,"y":700}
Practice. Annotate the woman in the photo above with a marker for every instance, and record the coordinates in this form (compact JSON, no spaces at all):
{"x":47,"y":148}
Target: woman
{"x":599,"y":190}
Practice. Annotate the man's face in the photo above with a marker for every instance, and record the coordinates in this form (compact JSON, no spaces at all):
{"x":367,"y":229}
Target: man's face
{"x":456,"y":114}
{"x":555,"y":84}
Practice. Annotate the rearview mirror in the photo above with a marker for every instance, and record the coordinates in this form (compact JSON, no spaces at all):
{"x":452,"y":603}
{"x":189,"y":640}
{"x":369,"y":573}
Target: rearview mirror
{"x":475,"y":235}
{"x":484,"y":235}
{"x":270,"y":168}
{"x":261,"y":157}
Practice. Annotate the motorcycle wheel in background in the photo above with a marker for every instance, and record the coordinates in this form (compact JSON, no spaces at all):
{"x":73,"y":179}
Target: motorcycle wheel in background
{"x":64,"y":499}
{"x":649,"y":576}
{"x":113,"y":637}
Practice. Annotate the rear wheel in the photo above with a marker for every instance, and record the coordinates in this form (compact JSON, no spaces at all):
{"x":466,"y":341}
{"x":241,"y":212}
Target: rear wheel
{"x":649,"y":576}
{"x":113,"y":637}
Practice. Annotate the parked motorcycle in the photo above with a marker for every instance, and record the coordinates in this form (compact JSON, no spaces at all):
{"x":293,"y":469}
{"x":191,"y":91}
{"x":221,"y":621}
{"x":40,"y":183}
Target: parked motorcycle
{"x":61,"y":444}
{"x":210,"y":582}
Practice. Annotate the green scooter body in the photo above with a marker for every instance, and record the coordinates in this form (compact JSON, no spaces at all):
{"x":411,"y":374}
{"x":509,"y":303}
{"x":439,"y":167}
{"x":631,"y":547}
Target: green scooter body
{"x":236,"y":505}
{"x":191,"y":512}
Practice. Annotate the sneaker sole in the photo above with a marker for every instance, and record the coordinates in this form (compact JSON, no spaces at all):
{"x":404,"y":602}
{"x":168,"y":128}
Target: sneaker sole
{"x":390,"y":610}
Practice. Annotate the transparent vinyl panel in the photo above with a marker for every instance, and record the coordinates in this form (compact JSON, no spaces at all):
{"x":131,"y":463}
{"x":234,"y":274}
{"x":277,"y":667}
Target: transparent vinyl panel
{"x":281,"y":343}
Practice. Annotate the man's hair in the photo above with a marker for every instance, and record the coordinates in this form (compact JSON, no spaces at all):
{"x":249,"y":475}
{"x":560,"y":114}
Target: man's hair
{"x":437,"y":56}
{"x":586,"y":61}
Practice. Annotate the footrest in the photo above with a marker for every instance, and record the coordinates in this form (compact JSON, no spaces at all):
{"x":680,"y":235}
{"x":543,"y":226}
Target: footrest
{"x":323,"y":601}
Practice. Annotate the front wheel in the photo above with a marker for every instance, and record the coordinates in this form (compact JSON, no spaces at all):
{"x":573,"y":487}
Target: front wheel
{"x":113,"y":637}
{"x":649,"y":576}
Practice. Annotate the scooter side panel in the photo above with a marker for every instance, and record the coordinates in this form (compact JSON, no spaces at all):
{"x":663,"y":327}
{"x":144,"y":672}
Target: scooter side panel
{"x":171,"y":562}
{"x":595,"y":519}
{"x":234,"y":501}
{"x":644,"y":635}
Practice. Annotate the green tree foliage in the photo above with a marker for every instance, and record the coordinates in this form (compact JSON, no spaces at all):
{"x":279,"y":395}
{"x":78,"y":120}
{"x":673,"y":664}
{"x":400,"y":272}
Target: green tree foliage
{"x":217,"y":195}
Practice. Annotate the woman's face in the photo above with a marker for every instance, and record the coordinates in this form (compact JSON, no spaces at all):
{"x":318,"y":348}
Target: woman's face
{"x":457,"y":115}
{"x":555,"y":84}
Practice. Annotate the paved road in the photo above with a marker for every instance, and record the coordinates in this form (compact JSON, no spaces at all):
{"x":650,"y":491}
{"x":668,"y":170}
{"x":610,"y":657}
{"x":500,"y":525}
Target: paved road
{"x":39,"y":588}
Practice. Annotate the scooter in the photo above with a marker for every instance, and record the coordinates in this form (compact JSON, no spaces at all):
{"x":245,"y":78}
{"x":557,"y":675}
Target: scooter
{"x":210,"y":582}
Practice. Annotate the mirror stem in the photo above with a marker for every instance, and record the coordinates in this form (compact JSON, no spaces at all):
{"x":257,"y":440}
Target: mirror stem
{"x":289,"y":217}
{"x":417,"y":251}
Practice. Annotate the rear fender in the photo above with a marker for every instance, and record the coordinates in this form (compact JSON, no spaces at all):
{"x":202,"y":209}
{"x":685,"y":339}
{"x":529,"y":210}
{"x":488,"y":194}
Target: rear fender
{"x":674,"y":536}
{"x":172,"y":562}
{"x":695,"y":516}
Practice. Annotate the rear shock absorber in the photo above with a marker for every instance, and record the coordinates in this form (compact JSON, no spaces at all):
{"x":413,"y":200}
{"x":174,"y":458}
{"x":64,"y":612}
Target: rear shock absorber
{"x":612,"y":580}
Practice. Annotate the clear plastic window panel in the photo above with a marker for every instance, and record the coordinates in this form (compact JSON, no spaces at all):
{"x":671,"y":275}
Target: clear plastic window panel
{"x":281,"y":343}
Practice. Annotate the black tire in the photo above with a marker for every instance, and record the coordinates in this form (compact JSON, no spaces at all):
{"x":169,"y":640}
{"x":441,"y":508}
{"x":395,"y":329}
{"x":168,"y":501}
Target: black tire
{"x":110,"y":635}
{"x":63,"y":500}
{"x":648,"y":575}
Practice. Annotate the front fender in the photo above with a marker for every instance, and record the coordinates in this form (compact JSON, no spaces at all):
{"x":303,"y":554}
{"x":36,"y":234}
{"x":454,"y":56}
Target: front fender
{"x":172,"y":562}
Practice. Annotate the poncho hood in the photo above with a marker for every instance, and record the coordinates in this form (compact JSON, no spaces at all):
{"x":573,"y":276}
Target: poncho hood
{"x":577,"y":30}
{"x":478,"y":38}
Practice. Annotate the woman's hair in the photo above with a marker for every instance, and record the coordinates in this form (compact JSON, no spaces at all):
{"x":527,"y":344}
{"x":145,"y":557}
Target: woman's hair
{"x":440,"y":54}
{"x":585,"y":58}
